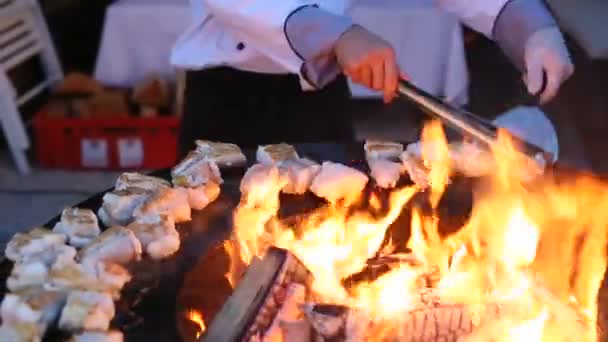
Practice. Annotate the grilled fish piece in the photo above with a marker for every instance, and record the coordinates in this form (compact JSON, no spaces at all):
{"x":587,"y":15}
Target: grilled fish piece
{"x":51,"y":255}
{"x":134,"y":180}
{"x":32,"y":306}
{"x":336,"y":182}
{"x":261,"y":186}
{"x":37,"y":241}
{"x":131,"y":191}
{"x":472,"y":160}
{"x":414,"y":167}
{"x":33,"y":271}
{"x":200,"y":177}
{"x":22,"y":332}
{"x":299,"y":174}
{"x":159,"y":240}
{"x":276,"y":153}
{"x":115,"y":245}
{"x":27,"y":275}
{"x":467,"y":158}
{"x":385,"y":172}
{"x":79,"y":225}
{"x":383,"y":161}
{"x":111,"y":276}
{"x":195,"y":170}
{"x":223,"y":154}
{"x":99,"y":336}
{"x":379,"y":149}
{"x":166,"y":201}
{"x":87,"y":310}
{"x":101,"y":276}
{"x":118,"y":206}
{"x":200,"y":197}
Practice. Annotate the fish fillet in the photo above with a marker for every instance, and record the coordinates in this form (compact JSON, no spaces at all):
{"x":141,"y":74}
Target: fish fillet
{"x":336,"y":182}
{"x":115,"y":245}
{"x":79,"y":225}
{"x":87,"y":310}
{"x":160,"y":240}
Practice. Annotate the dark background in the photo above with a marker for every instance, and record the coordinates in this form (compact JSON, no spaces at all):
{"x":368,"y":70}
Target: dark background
{"x":76,"y":27}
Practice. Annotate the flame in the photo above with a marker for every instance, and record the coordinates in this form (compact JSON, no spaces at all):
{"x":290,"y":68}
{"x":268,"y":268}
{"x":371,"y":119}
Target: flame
{"x":388,"y":297}
{"x":339,"y":245}
{"x":196,"y":317}
{"x":237,"y":267}
{"x":508,"y":331}
{"x":537,"y":249}
{"x":436,"y":157}
{"x":531,"y":330}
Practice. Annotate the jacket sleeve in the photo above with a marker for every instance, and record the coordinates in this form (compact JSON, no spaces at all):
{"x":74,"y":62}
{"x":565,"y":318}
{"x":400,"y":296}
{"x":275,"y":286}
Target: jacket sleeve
{"x":265,"y":24}
{"x":517,"y":22}
{"x":313,"y":32}
{"x":508,"y":22}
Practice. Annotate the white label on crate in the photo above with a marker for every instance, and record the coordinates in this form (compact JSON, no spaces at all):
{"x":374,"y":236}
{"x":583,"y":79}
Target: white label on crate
{"x":130,"y":152}
{"x":94,"y":153}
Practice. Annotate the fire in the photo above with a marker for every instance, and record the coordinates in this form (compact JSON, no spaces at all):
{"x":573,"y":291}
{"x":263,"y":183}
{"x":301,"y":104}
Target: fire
{"x":436,"y":157}
{"x":339,"y":245}
{"x":510,"y":331}
{"x":529,"y":330}
{"x":196,"y":317}
{"x":537,"y":250}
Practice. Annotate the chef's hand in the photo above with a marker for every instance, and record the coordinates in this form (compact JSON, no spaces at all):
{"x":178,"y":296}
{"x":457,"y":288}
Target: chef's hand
{"x":546,"y":53}
{"x":368,"y":60}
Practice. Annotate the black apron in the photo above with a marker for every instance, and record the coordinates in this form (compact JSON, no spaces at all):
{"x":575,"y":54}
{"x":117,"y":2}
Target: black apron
{"x":249,"y":109}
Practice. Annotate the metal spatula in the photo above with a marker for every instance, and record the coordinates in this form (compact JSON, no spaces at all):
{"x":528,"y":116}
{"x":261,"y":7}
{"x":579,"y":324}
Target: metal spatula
{"x":466,"y":123}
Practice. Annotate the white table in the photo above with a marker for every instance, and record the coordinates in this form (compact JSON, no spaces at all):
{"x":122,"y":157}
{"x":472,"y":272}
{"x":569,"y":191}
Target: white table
{"x":137,"y":39}
{"x":428,"y":42}
{"x":139,"y":34}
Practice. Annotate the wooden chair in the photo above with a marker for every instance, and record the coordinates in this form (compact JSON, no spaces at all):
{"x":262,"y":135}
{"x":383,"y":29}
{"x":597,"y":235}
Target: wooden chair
{"x":23,"y":35}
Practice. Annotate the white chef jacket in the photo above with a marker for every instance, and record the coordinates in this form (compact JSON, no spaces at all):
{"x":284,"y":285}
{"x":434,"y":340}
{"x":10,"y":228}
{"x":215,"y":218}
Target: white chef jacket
{"x":251,"y":35}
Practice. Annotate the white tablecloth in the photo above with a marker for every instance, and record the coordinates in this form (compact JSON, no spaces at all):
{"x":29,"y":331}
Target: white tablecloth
{"x":139,"y":34}
{"x":428,"y":42}
{"x":137,"y":39}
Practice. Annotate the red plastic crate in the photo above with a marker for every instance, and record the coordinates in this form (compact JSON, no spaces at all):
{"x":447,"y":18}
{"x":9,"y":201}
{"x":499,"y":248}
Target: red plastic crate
{"x":106,"y":143}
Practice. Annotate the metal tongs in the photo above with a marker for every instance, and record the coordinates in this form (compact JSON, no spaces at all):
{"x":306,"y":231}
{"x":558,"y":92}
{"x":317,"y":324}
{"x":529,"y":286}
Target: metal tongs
{"x":464,"y":122}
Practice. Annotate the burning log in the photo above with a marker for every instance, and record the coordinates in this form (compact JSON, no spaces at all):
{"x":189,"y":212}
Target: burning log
{"x":327,"y":320}
{"x":333,"y":323}
{"x":427,"y":279}
{"x":263,"y":308}
{"x":296,"y":331}
{"x":272,"y":302}
{"x":290,"y":311}
{"x":260,"y":295}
